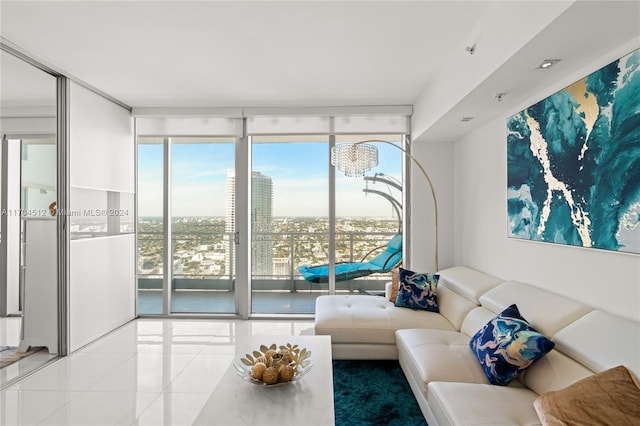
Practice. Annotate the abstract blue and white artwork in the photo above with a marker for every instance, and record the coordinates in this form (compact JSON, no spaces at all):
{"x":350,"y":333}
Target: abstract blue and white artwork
{"x":573,"y":163}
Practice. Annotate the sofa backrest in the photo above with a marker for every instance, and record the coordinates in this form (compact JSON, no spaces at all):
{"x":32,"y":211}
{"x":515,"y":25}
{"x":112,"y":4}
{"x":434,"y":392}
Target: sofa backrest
{"x":468,"y":282}
{"x":600,"y":340}
{"x":475,"y":320}
{"x":554,"y":371}
{"x":593,"y":343}
{"x":459,"y":291}
{"x":547,"y":312}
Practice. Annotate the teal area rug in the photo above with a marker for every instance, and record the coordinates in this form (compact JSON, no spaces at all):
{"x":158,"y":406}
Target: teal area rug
{"x":373,"y":393}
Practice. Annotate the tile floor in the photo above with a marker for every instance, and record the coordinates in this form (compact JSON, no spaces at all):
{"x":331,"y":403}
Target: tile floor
{"x":147,"y":372}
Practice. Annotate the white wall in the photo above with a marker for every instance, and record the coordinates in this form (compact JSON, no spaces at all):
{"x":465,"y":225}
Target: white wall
{"x":437,"y":159}
{"x":603,"y":279}
{"x":102,"y":273}
{"x":102,"y":144}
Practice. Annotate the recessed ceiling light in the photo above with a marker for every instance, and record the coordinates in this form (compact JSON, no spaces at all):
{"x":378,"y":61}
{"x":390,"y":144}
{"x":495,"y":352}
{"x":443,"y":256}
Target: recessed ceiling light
{"x":466,"y":119}
{"x":548,"y":63}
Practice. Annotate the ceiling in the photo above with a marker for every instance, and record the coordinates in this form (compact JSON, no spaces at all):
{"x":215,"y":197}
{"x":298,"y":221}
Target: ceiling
{"x":215,"y":53}
{"x":303,"y":53}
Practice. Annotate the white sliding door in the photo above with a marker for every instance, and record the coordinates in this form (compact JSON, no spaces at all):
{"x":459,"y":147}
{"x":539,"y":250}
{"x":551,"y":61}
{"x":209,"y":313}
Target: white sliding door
{"x":102,"y":252}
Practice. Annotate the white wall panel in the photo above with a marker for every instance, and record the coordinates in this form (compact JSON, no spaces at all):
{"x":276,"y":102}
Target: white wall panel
{"x":437,"y":159}
{"x":102,"y":270}
{"x":102,"y":286}
{"x":101,"y":142}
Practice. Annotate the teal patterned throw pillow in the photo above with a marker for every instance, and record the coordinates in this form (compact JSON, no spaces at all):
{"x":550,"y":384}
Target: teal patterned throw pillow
{"x":417,"y":291}
{"x":507,"y":345}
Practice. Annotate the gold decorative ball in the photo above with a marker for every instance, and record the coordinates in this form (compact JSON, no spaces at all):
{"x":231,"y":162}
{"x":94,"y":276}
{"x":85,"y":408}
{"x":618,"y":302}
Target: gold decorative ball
{"x":287,"y":355}
{"x":270,"y":376}
{"x":286,"y":373}
{"x":257,"y":371}
{"x":269,"y":354}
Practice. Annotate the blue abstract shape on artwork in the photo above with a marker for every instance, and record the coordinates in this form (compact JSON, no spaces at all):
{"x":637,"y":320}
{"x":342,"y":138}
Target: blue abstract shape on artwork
{"x":573,"y":163}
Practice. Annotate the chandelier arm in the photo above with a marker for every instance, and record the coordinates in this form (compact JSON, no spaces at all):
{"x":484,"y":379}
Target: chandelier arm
{"x":426,"y":176}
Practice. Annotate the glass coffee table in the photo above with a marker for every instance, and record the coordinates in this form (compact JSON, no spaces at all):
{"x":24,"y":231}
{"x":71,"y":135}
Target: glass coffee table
{"x":307,"y":401}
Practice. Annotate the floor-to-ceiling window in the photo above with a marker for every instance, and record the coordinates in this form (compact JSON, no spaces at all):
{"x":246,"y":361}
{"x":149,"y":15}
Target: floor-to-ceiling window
{"x":203,"y":224}
{"x":150,"y":225}
{"x":202,"y":254}
{"x":226,"y":224}
{"x":289,"y":221}
{"x":368,"y":217}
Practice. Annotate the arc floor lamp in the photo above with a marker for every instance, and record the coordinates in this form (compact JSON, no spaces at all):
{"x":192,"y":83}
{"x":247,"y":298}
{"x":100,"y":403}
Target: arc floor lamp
{"x":355,"y":159}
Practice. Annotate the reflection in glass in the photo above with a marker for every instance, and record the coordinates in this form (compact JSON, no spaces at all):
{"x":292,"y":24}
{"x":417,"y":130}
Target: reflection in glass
{"x":28,"y":178}
{"x":99,"y":213}
{"x":38,"y":157}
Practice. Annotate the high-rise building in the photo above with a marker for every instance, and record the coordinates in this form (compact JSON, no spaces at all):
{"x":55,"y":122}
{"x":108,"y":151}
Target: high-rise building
{"x":261,"y":223}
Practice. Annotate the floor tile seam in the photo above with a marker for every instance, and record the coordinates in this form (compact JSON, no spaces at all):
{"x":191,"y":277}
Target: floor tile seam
{"x":148,"y":407}
{"x":162,"y":355}
{"x":170,"y":382}
{"x":82,"y":393}
{"x":107,"y":373}
{"x":68,"y":360}
{"x":77,"y":394}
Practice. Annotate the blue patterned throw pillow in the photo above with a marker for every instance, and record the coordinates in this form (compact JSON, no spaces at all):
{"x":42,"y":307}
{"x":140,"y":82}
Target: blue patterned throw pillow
{"x":507,"y":345}
{"x":417,"y":291}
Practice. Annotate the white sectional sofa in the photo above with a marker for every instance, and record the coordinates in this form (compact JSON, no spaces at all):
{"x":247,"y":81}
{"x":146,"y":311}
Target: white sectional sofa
{"x":443,"y":372}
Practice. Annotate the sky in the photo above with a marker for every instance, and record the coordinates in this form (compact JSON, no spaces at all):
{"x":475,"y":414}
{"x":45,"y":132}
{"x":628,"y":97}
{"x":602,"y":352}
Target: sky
{"x":299,"y":171}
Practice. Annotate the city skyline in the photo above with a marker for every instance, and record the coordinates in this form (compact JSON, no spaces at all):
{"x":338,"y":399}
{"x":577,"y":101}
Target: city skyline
{"x":201,"y":246}
{"x":300,"y":173}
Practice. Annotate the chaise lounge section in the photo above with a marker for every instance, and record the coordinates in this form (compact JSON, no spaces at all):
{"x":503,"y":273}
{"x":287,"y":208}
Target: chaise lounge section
{"x":364,"y":327}
{"x":444,"y":373}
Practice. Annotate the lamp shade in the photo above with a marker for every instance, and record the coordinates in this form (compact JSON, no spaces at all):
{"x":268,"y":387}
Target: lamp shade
{"x":354,"y":159}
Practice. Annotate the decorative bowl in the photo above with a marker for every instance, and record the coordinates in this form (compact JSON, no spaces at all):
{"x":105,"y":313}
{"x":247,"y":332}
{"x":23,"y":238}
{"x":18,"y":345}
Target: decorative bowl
{"x":273,"y":365}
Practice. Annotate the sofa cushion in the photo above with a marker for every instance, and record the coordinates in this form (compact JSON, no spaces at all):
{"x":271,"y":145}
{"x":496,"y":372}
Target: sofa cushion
{"x":608,"y":398}
{"x":481,"y":404}
{"x":546,"y":311}
{"x":437,"y":355}
{"x":468,"y":282}
{"x":617,"y":342}
{"x":453,"y":306}
{"x":552,"y":372}
{"x":393,"y":289}
{"x":417,"y":290}
{"x":507,"y":345}
{"x":594,"y":343}
{"x":369,"y":319}
{"x":475,"y":320}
